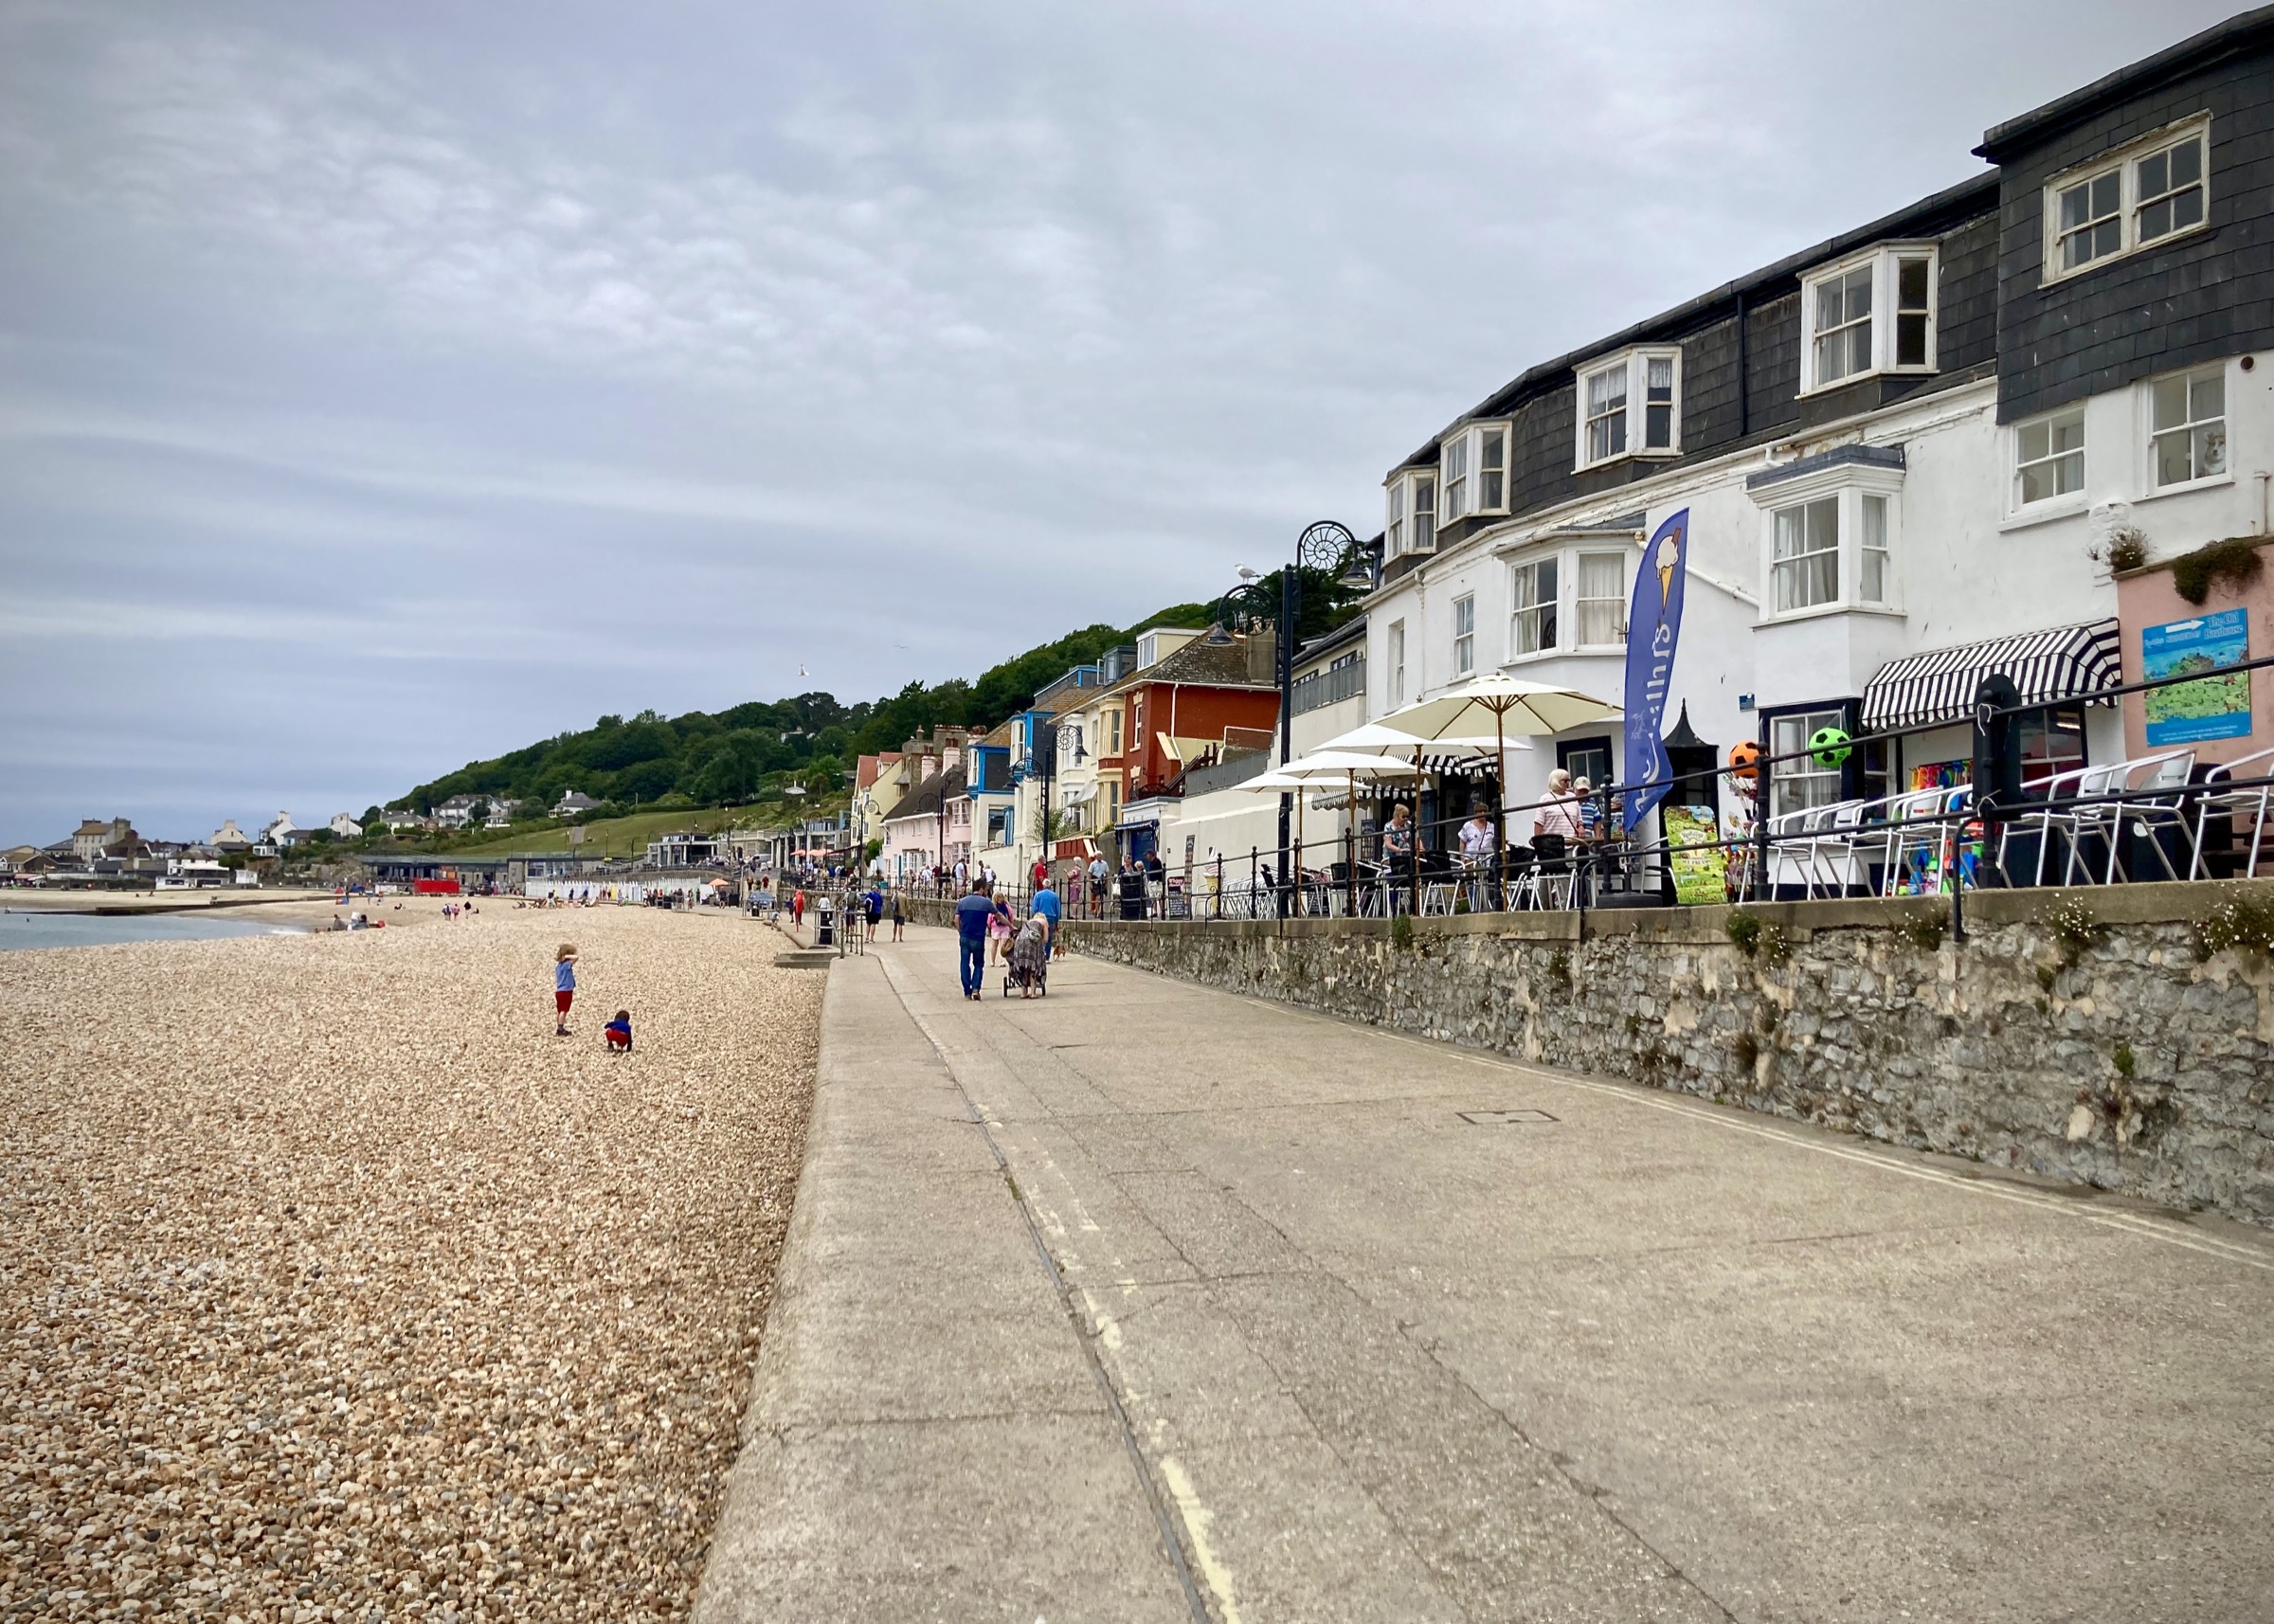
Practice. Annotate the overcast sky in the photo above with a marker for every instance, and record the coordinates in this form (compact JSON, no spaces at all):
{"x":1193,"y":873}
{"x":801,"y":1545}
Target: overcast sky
{"x":386,"y":387}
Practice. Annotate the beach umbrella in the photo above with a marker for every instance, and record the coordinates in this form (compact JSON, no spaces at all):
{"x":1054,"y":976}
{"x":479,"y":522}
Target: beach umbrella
{"x":1325,"y":766}
{"x":1508,"y":705}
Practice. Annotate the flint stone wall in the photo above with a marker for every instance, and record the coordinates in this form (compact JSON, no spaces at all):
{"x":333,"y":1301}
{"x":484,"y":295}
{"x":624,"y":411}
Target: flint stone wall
{"x":2113,"y":1054}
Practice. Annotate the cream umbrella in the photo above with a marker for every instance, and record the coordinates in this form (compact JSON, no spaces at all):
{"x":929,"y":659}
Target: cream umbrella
{"x":1324,"y":764}
{"x":1514,"y":706}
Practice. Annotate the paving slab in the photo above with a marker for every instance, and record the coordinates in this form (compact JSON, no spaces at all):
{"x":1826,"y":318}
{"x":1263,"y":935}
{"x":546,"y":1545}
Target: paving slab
{"x":1375,"y":1328}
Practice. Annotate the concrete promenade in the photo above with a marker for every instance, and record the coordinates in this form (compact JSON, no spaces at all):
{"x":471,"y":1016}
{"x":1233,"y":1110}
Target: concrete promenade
{"x":1151,"y":1302}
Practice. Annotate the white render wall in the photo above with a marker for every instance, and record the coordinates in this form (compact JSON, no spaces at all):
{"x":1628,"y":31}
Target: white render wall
{"x":1966,"y":566}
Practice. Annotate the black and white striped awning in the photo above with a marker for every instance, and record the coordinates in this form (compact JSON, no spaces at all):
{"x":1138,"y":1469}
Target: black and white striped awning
{"x":2064,"y":662}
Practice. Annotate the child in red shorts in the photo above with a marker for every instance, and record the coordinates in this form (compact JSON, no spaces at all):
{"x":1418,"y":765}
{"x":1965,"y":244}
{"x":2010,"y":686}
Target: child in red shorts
{"x":619,"y":1033}
{"x":564,"y":988}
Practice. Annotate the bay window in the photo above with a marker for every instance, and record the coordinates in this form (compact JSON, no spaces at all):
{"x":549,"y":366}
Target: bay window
{"x":1472,"y":472}
{"x":1602,"y":599}
{"x":1871,"y":313}
{"x":1830,"y":540}
{"x":2133,"y":198}
{"x":1409,"y":512}
{"x":1532,"y":597}
{"x":1871,"y":552}
{"x":1807,"y":566}
{"x":1630,"y":406}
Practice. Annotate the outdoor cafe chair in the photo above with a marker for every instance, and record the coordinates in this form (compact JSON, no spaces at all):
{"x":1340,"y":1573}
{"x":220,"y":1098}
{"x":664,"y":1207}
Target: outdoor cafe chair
{"x":1919,"y":828}
{"x":1549,"y":875}
{"x":2157,"y":802}
{"x":2227,"y":792}
{"x":2096,"y":809}
{"x":2050,"y":790}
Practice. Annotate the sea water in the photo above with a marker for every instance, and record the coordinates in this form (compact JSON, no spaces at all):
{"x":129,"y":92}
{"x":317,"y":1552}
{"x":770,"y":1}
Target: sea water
{"x":34,"y":927}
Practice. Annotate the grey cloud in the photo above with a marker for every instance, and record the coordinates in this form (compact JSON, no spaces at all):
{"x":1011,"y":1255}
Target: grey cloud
{"x":430,"y":379}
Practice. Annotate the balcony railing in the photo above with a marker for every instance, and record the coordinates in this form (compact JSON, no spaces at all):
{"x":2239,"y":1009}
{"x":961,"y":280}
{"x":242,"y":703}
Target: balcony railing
{"x":1329,"y":687}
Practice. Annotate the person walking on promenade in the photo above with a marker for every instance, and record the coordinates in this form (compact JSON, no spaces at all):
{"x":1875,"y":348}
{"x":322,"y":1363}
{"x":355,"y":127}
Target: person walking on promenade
{"x":1048,"y":904}
{"x":872,"y":905}
{"x":899,"y":915}
{"x":564,"y":988}
{"x":797,"y":909}
{"x":974,"y":913}
{"x":999,"y":929}
{"x":1097,"y":884}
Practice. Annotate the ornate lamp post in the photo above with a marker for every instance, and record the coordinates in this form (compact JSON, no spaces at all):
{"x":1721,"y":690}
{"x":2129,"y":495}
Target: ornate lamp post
{"x":1331,"y":555}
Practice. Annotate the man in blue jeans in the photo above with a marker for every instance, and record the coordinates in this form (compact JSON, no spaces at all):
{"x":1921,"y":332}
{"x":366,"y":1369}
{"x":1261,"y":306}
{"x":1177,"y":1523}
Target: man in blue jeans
{"x":971,"y":916}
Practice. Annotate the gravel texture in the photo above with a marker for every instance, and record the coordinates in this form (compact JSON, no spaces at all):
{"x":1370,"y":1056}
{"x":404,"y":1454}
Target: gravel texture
{"x":332,"y":1285}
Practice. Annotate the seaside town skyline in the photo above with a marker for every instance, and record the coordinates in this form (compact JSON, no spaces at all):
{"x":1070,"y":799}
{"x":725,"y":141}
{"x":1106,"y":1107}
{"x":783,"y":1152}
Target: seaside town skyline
{"x":1160,"y":814}
{"x":379,"y":401}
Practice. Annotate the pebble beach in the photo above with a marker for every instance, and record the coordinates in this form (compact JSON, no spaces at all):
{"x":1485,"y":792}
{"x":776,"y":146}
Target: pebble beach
{"x":333,"y":1286}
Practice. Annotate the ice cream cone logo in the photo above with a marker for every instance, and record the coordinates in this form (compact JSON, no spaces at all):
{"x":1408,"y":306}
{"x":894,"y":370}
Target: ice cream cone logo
{"x":1668,"y":554}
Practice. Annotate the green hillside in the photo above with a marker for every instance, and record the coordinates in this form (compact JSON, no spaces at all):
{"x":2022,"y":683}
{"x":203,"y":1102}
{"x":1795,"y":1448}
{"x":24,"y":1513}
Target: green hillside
{"x":655,"y":771}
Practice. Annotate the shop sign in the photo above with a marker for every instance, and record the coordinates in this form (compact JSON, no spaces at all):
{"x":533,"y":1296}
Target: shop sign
{"x":2217,"y":706}
{"x":1701,"y":867}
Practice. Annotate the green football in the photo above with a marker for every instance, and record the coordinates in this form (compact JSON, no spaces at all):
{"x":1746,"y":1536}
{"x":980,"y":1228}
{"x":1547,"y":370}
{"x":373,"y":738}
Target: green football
{"x":1830,"y":747}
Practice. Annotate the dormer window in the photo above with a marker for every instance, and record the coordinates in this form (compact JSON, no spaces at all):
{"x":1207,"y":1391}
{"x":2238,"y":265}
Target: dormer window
{"x":1410,"y":514}
{"x":2133,"y":198}
{"x":1472,"y":472}
{"x":1630,"y":406}
{"x":1871,"y":313}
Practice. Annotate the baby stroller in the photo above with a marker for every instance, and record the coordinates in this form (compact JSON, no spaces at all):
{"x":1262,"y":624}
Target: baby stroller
{"x":1028,"y":967}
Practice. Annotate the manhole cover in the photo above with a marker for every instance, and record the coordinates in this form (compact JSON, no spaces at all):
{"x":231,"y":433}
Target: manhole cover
{"x":1496,"y":1118}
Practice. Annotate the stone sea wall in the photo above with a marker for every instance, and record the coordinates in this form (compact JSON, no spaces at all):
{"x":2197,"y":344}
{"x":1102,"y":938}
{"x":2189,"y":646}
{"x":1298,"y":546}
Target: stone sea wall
{"x":2084,"y":1034}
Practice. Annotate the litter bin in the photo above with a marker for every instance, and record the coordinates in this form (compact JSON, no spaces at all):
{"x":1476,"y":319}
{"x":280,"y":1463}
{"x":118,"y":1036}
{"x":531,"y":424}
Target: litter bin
{"x":824,"y":924}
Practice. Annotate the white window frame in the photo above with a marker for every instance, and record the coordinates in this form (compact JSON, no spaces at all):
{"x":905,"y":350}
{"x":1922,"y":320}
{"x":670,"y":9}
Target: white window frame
{"x":1393,"y":647}
{"x":1464,"y":634}
{"x":1549,"y":607}
{"x":1410,"y":496}
{"x":1849,"y":483}
{"x":1452,"y":479}
{"x":1633,"y":416}
{"x":2126,"y":161}
{"x":1575,"y":564}
{"x":2019,"y":461}
{"x":1462,"y":472}
{"x":1885,"y":262}
{"x":2150,"y":432}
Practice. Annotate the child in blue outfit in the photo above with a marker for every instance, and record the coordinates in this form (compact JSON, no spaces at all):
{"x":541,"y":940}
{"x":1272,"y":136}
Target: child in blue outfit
{"x":619,"y":1033}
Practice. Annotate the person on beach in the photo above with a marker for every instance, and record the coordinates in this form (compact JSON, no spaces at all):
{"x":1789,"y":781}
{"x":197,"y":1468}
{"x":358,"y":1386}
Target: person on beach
{"x":974,"y":913}
{"x":619,"y":1033}
{"x":900,"y":916}
{"x":564,"y":988}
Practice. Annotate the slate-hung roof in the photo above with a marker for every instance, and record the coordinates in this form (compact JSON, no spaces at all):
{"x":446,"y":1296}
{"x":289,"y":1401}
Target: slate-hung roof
{"x":1199,"y":663}
{"x":1925,"y":218}
{"x":924,"y":801}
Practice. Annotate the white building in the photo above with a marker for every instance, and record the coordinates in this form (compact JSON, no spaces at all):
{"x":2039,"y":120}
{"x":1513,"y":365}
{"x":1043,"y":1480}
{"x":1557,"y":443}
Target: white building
{"x":1904,"y":453}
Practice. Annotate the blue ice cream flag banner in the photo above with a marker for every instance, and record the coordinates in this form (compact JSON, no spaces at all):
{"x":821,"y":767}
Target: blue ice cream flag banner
{"x":1654,"y":627}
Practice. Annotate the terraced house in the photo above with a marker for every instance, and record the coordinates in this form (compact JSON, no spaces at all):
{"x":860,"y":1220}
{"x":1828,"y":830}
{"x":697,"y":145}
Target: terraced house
{"x":1970,"y":437}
